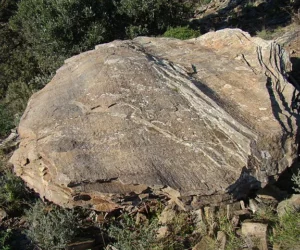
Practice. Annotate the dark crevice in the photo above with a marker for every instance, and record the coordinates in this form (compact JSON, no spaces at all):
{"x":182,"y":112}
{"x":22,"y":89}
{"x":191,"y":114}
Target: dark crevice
{"x":83,"y":183}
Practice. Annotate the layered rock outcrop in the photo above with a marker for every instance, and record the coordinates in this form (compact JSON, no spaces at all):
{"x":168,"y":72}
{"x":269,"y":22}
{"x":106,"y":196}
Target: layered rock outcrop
{"x":196,"y":119}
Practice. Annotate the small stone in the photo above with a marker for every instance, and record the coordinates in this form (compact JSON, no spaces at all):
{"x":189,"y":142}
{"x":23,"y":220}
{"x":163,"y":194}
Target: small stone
{"x":162,"y":232}
{"x":167,"y":215}
{"x":256,"y":206}
{"x":99,"y":218}
{"x":199,"y":220}
{"x":256,"y":233}
{"x":110,"y":247}
{"x":205,"y":243}
{"x":140,"y":218}
{"x":235,"y":220}
{"x":221,"y":240}
{"x":242,"y":204}
{"x":242,"y":212}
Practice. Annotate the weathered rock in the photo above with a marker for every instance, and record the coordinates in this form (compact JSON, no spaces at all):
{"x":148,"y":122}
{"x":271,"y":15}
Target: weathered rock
{"x":205,"y":243}
{"x":162,"y":232}
{"x":204,"y":117}
{"x":291,"y":204}
{"x":256,"y":233}
{"x":221,"y":240}
{"x":167,"y":215}
{"x":200,"y":222}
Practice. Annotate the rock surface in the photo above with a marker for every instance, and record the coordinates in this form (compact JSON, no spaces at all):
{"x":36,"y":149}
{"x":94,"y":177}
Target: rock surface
{"x":256,"y":235}
{"x":196,"y":119}
{"x":290,"y":205}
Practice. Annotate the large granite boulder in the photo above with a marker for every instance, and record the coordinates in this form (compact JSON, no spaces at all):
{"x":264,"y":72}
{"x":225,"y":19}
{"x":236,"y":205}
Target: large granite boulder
{"x":196,"y":119}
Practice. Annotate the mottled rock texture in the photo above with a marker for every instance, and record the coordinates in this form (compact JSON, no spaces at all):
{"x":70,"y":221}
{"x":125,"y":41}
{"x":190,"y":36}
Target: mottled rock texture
{"x":201,"y":121}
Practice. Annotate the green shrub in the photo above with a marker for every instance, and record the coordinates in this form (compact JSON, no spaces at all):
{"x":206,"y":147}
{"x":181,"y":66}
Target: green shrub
{"x":233,"y":241}
{"x":296,"y":181}
{"x":17,"y":96}
{"x":202,"y":2}
{"x":13,"y":193}
{"x":287,"y":231}
{"x":58,"y":29}
{"x":4,"y":238}
{"x":131,"y":236}
{"x":51,"y":227}
{"x":17,"y":63}
{"x":152,"y":17}
{"x":182,"y":33}
{"x":181,"y":233}
{"x":6,"y":120}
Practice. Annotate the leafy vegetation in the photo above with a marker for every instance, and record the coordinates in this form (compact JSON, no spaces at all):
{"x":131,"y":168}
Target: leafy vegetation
{"x":131,"y":236}
{"x":6,"y":120}
{"x":287,"y":231}
{"x":51,"y":227}
{"x":152,"y":17}
{"x":13,"y":194}
{"x":296,"y":180}
{"x":233,"y":241}
{"x":4,"y":238}
{"x":182,"y":33}
{"x":181,"y":233}
{"x":37,"y":36}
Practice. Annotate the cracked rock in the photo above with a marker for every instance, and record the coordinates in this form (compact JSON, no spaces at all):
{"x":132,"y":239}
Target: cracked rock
{"x":129,"y":118}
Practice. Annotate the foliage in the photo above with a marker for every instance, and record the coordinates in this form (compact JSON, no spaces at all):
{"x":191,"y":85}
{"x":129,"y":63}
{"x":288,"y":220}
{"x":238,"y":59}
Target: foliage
{"x":17,"y":63}
{"x":58,"y":29}
{"x":287,"y":231}
{"x":296,"y":180}
{"x":51,"y":227}
{"x":267,"y":215}
{"x":4,"y":238}
{"x":182,"y":33}
{"x":233,"y":241}
{"x":130,"y":236}
{"x":7,"y":9}
{"x":202,"y":2}
{"x":181,"y":233}
{"x":13,"y":193}
{"x":152,"y":17}
{"x":6,"y":120}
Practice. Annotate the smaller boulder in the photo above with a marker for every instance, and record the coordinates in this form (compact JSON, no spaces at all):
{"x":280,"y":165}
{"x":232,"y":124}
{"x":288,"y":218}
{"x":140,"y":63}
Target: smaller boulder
{"x":162,"y":232}
{"x":167,"y":215}
{"x":221,"y":240}
{"x":256,"y":233}
{"x":291,"y":204}
{"x":205,"y":243}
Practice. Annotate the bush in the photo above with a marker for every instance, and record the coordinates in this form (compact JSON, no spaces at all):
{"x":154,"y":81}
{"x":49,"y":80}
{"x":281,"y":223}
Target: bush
{"x":4,"y":238}
{"x":131,"y":236}
{"x":182,"y":33}
{"x":152,"y":17}
{"x":287,"y":231}
{"x":58,"y":29}
{"x":181,"y":233}
{"x":296,"y":181}
{"x":13,"y":193}
{"x":233,"y":240}
{"x":17,"y":63}
{"x":51,"y":227}
{"x":6,"y":120}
